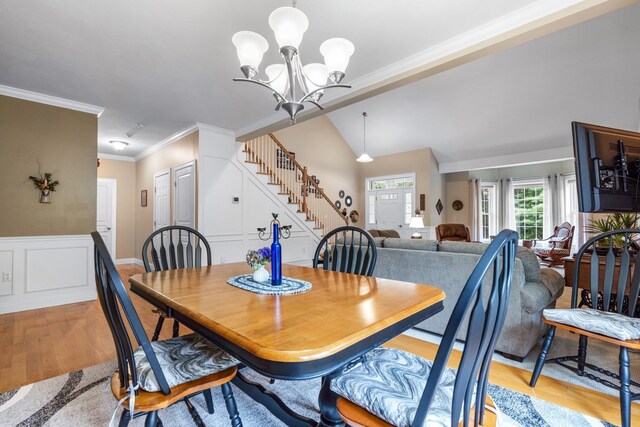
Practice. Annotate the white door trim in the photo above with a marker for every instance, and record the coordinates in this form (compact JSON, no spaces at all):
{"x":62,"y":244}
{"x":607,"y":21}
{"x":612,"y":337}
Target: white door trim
{"x":113,"y":189}
{"x":174,"y":176}
{"x":155,"y":175}
{"x":377,"y":178}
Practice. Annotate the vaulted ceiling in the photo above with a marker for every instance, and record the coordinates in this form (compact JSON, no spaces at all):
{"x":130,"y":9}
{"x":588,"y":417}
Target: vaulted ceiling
{"x":168,"y":64}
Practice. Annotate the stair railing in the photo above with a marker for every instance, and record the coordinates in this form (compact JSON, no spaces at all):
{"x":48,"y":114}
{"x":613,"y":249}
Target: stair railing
{"x":294,"y":181}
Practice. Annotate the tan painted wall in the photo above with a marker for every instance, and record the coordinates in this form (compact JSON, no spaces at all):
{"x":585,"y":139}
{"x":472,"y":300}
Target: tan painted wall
{"x":64,"y":142}
{"x":180,"y":152}
{"x":417,"y":161}
{"x":125,"y":175}
{"x":320,"y":147}
{"x":457,"y":188}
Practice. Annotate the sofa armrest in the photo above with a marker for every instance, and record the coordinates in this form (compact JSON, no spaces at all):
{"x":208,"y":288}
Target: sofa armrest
{"x":536,"y":296}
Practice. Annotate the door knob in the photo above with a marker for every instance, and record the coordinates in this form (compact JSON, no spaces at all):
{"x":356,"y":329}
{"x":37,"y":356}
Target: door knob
{"x":108,"y":228}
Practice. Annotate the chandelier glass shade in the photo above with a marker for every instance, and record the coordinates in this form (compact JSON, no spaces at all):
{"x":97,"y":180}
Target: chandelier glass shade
{"x":291,"y":83}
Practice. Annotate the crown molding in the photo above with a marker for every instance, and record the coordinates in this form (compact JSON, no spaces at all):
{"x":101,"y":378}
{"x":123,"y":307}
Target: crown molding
{"x":41,"y":98}
{"x":527,"y":23}
{"x":516,"y":159}
{"x":116,"y":157}
{"x":167,"y":141}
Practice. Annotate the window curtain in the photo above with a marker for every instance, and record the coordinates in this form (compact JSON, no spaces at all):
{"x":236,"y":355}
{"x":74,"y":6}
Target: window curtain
{"x":551,"y":214}
{"x":474,"y":196}
{"x":507,"y":215}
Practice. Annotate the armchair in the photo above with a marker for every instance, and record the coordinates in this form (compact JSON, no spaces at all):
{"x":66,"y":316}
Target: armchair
{"x":454,"y":232}
{"x":557,"y":246}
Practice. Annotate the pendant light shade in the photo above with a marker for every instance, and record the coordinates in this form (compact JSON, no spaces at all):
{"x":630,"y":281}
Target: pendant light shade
{"x":364,"y":157}
{"x":277,"y":76}
{"x":316,"y":75}
{"x":250,"y":48}
{"x":336,"y":53}
{"x":288,"y":25}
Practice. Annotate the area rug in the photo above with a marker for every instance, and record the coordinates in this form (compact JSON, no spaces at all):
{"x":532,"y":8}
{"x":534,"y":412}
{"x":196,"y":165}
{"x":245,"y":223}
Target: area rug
{"x":81,"y":398}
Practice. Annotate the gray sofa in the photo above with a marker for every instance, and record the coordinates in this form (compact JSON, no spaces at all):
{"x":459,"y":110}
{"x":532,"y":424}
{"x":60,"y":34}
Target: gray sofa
{"x":447,"y":265}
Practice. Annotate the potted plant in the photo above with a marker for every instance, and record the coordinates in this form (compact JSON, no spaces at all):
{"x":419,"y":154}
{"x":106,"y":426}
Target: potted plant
{"x":46,"y":184}
{"x":614,"y":221}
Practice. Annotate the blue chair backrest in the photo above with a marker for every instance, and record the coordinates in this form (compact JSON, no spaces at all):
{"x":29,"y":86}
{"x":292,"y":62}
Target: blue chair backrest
{"x":485,"y":303}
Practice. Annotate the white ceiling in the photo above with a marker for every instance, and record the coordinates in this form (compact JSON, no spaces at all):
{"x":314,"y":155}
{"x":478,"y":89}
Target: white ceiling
{"x":168,"y":64}
{"x":499,"y":109}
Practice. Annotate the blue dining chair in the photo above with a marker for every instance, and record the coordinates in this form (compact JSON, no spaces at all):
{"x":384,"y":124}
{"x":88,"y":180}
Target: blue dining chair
{"x":157,"y":374}
{"x":395,"y":388}
{"x":171,"y":248}
{"x":347,"y":249}
{"x":612,"y":312}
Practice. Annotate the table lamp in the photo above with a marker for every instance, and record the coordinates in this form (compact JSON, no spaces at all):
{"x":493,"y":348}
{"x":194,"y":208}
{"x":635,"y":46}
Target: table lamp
{"x":416,"y":222}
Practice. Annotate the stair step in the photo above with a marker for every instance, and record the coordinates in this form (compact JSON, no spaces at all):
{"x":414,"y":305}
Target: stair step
{"x":262,"y":173}
{"x":252,"y":162}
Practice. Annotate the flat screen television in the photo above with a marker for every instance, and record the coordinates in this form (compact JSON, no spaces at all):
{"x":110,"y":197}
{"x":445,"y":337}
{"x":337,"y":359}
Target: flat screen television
{"x":607,"y":168}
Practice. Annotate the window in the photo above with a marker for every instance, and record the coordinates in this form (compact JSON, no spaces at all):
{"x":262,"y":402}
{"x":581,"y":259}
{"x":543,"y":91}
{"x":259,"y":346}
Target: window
{"x":372,"y":209}
{"x":408,"y":208}
{"x":528,"y":197}
{"x":488,"y":210}
{"x":391,"y":184}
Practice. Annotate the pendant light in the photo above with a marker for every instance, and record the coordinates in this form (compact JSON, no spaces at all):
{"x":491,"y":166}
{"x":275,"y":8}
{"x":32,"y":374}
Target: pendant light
{"x":364,"y":157}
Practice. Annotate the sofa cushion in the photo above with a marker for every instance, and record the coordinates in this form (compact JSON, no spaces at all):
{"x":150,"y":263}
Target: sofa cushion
{"x":526,"y":255}
{"x":379,"y":241}
{"x":415,"y":244}
{"x":384,"y":233}
{"x":389,"y":384}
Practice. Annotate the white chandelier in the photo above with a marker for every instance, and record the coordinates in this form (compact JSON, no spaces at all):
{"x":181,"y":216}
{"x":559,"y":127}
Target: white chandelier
{"x":284,"y":80}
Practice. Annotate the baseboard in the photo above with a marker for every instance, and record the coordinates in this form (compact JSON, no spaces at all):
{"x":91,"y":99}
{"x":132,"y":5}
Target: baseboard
{"x":135,"y":261}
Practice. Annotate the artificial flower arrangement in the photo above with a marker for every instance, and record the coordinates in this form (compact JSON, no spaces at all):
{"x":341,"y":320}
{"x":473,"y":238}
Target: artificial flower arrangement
{"x":44,"y":183}
{"x":259,"y":258}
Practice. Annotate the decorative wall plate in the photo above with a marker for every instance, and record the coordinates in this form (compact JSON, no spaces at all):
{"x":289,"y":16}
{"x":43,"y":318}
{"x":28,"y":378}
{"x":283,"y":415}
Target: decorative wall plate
{"x":439,"y":206}
{"x":354,"y":216}
{"x":338,"y":204}
{"x":348,"y":201}
{"x":341,"y":194}
{"x":457,"y":205}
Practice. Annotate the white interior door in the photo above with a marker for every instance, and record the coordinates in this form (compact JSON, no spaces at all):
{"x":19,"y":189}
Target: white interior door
{"x":161,"y":197}
{"x":390,"y":209}
{"x":184,"y":196}
{"x":106,"y":213}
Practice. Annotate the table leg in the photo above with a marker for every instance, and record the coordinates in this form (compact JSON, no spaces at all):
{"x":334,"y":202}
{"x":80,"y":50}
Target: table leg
{"x":329,"y":416}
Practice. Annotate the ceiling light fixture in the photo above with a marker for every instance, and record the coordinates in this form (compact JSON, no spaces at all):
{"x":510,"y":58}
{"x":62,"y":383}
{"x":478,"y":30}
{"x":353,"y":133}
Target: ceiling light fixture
{"x":118,"y":145}
{"x":288,"y":25}
{"x":364,"y":157}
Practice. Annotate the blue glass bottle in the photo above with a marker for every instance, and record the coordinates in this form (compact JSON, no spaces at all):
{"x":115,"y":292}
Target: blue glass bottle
{"x":276,"y":257}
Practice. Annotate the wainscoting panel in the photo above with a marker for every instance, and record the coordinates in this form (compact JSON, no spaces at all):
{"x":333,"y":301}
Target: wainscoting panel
{"x":6,"y":272}
{"x":45,"y":271}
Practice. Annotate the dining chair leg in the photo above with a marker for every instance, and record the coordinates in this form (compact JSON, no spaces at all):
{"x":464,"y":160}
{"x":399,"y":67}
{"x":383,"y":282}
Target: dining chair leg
{"x":209,"y":399}
{"x":625,"y":394}
{"x":176,"y":328}
{"x":152,"y":419}
{"x":543,"y":356}
{"x":124,"y":418}
{"x":230,"y":403}
{"x":582,"y":352}
{"x":156,"y":332}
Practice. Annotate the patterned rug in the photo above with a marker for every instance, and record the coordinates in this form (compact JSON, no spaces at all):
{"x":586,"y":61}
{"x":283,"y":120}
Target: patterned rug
{"x":81,"y":398}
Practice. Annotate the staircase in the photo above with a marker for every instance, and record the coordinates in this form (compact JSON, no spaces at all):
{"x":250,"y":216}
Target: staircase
{"x":293,"y":181}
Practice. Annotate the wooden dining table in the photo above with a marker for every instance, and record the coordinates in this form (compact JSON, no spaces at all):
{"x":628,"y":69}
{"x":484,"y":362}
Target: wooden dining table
{"x":291,"y":337}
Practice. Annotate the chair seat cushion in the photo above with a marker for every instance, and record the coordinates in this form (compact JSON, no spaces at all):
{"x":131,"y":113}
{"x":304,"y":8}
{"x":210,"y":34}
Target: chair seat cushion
{"x":182,"y":359}
{"x":389,"y":384}
{"x":612,"y":325}
{"x":549,"y":251}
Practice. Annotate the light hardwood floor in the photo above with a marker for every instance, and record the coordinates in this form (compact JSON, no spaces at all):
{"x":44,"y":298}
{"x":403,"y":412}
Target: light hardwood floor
{"x":44,"y":343}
